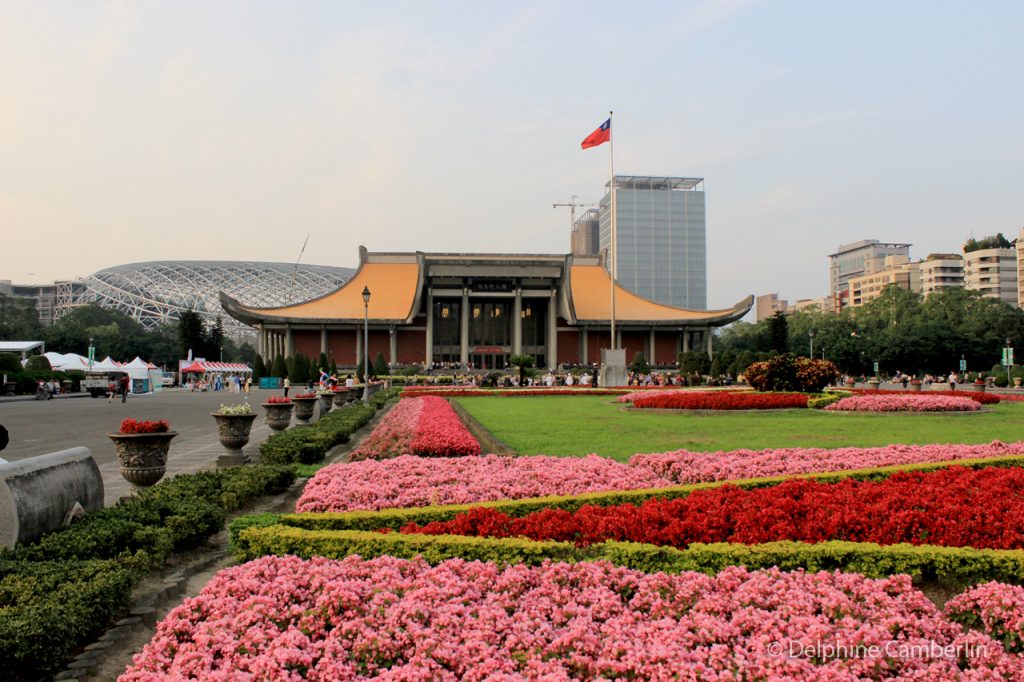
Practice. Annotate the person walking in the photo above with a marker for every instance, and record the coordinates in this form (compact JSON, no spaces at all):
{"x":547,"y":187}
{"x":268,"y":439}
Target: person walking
{"x":125,"y":383}
{"x":287,"y":385}
{"x":952,"y":381}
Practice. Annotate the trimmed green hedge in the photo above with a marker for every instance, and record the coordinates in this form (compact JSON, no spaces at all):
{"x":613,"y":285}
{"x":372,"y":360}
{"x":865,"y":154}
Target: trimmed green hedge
{"x":58,"y":593}
{"x":309,"y":444}
{"x":51,"y":607}
{"x":396,"y":518}
{"x":955,"y":566}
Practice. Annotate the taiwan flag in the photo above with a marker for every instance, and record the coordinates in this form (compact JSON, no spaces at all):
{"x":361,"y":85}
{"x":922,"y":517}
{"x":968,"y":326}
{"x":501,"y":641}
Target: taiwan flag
{"x":599,"y":136}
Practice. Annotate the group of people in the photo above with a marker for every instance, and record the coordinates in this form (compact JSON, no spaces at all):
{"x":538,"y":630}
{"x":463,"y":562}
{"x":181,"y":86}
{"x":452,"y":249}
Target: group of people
{"x":118,"y":387}
{"x":233,"y":383}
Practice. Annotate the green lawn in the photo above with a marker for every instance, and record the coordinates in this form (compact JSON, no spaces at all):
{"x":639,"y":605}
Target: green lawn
{"x":556,"y":425}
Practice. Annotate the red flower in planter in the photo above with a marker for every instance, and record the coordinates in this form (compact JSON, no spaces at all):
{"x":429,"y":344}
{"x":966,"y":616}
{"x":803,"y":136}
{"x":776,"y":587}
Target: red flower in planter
{"x":280,"y":399}
{"x":143,"y":426}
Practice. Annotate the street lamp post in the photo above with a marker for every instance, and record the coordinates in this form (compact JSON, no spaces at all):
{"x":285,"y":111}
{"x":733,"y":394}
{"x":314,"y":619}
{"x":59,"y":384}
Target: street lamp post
{"x":811,"y":334}
{"x":1009,"y":361}
{"x":366,"y":344}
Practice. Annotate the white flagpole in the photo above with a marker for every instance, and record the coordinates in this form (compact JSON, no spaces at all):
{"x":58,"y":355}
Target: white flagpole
{"x":614,"y":266}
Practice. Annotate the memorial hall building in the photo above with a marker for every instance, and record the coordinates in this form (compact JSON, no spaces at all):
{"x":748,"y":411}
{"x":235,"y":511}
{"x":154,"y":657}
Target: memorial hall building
{"x":477,"y":310}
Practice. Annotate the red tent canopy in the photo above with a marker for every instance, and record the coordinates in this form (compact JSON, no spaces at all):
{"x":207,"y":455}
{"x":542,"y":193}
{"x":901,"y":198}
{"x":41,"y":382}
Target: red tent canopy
{"x":194,"y":367}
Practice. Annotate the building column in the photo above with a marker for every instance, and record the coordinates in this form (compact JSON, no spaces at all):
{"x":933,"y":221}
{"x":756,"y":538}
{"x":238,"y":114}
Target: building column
{"x":464,"y":328}
{"x":259,"y":340}
{"x":323,"y":340}
{"x":553,"y":329}
{"x":392,"y":347}
{"x":517,"y":323}
{"x":359,"y":347}
{"x":709,"y":340}
{"x":651,"y":346}
{"x":289,"y":342}
{"x":428,"y":355}
{"x":686,"y":339}
{"x":584,"y":349}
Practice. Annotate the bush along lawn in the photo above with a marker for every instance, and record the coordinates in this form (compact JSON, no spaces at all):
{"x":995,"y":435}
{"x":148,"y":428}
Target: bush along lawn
{"x":59,"y":593}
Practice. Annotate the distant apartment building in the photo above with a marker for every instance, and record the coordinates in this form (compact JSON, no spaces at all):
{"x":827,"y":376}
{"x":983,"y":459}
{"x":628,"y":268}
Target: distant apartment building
{"x":820,"y":305}
{"x":768,"y":305}
{"x":585,"y":239}
{"x":941,"y":271}
{"x":882,"y":272}
{"x":853,"y":260}
{"x":993,"y":272}
{"x":1020,"y":268}
{"x":43,"y":297}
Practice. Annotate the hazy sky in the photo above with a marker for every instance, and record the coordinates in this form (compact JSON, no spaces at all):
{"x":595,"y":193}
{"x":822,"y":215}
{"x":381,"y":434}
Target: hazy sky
{"x":140,"y":131}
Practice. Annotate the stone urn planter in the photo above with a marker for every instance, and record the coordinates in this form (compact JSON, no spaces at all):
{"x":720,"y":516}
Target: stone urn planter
{"x":341,"y":396}
{"x":233,"y":431}
{"x":978,"y":386}
{"x":304,"y":408}
{"x":850,"y":384}
{"x":1017,"y":381}
{"x":874,"y":383}
{"x":915,"y":385}
{"x":326,"y":400}
{"x":142,"y":456}
{"x":279,"y":415}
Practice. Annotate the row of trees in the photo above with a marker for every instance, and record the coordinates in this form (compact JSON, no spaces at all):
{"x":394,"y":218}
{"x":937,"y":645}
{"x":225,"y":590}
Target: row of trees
{"x":300,"y":368}
{"x":900,"y":330}
{"x":116,"y":334}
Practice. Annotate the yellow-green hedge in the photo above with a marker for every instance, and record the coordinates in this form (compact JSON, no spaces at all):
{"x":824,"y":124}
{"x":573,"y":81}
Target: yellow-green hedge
{"x":948,"y":565}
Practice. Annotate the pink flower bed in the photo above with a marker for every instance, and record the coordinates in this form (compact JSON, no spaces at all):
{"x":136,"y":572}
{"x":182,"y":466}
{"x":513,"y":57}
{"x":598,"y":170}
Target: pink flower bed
{"x":904,"y":403}
{"x":440,"y":432}
{"x":420,"y":426}
{"x":284,"y":618}
{"x":417,"y":482}
{"x":994,"y":608}
{"x":682,"y":466}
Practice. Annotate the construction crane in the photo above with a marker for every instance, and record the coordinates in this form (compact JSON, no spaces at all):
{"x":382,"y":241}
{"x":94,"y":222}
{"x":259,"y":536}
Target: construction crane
{"x":295,"y":270}
{"x":572,"y":213}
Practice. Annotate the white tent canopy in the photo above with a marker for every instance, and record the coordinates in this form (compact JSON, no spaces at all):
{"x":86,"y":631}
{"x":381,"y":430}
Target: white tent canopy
{"x":67,"y":361}
{"x":106,"y":365}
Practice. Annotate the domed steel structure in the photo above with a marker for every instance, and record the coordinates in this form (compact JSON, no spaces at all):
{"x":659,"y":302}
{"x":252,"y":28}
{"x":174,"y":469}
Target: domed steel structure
{"x":157,"y":292}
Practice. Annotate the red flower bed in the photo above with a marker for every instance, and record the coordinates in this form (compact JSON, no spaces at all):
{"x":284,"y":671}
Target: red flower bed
{"x":440,"y":432}
{"x":720,"y":400}
{"x":983,"y":398}
{"x":954,"y":507}
{"x":279,"y":400}
{"x":143,"y":426}
{"x":306,"y":395}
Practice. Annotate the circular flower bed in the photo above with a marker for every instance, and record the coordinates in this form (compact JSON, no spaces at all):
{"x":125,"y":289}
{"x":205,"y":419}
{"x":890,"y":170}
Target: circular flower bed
{"x":904,"y":403}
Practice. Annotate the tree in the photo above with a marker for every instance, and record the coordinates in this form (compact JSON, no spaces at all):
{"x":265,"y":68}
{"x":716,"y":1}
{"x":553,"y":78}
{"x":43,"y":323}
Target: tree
{"x":190,"y":334}
{"x":279,"y":368}
{"x":521,"y":361}
{"x":214,"y":338}
{"x":695,"y":362}
{"x":258,"y":369}
{"x":778,"y":333}
{"x":380,"y":365}
{"x":639,"y":364}
{"x":19,"y":319}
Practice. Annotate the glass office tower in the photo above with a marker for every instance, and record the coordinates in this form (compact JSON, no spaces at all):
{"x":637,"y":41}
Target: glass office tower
{"x":662,"y":242}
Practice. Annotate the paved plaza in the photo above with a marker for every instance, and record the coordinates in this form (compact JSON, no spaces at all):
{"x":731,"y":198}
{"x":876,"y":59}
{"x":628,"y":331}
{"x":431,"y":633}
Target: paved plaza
{"x":37,"y":427}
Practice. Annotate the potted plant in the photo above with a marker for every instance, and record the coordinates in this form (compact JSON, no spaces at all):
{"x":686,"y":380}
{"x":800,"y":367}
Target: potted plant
{"x":915,"y":384}
{"x":874,"y":383}
{"x":979,"y":385}
{"x":233,"y":425}
{"x":326,"y":398}
{"x":279,"y":412}
{"x":341,"y":396}
{"x":142,"y":448}
{"x":304,"y":403}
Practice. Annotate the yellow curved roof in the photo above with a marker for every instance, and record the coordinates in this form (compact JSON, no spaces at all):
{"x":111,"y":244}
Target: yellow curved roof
{"x":393,"y":288}
{"x":591,"y":300}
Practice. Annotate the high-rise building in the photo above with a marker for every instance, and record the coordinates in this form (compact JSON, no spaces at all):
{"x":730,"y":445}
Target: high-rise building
{"x":993,"y":272}
{"x":767,"y":305}
{"x":586,"y":239}
{"x":662,"y":241}
{"x":881,"y":273}
{"x":853,"y":260}
{"x":941,"y":271}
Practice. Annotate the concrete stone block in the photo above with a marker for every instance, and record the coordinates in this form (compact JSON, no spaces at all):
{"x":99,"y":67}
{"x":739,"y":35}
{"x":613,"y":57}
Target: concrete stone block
{"x":37,"y":494}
